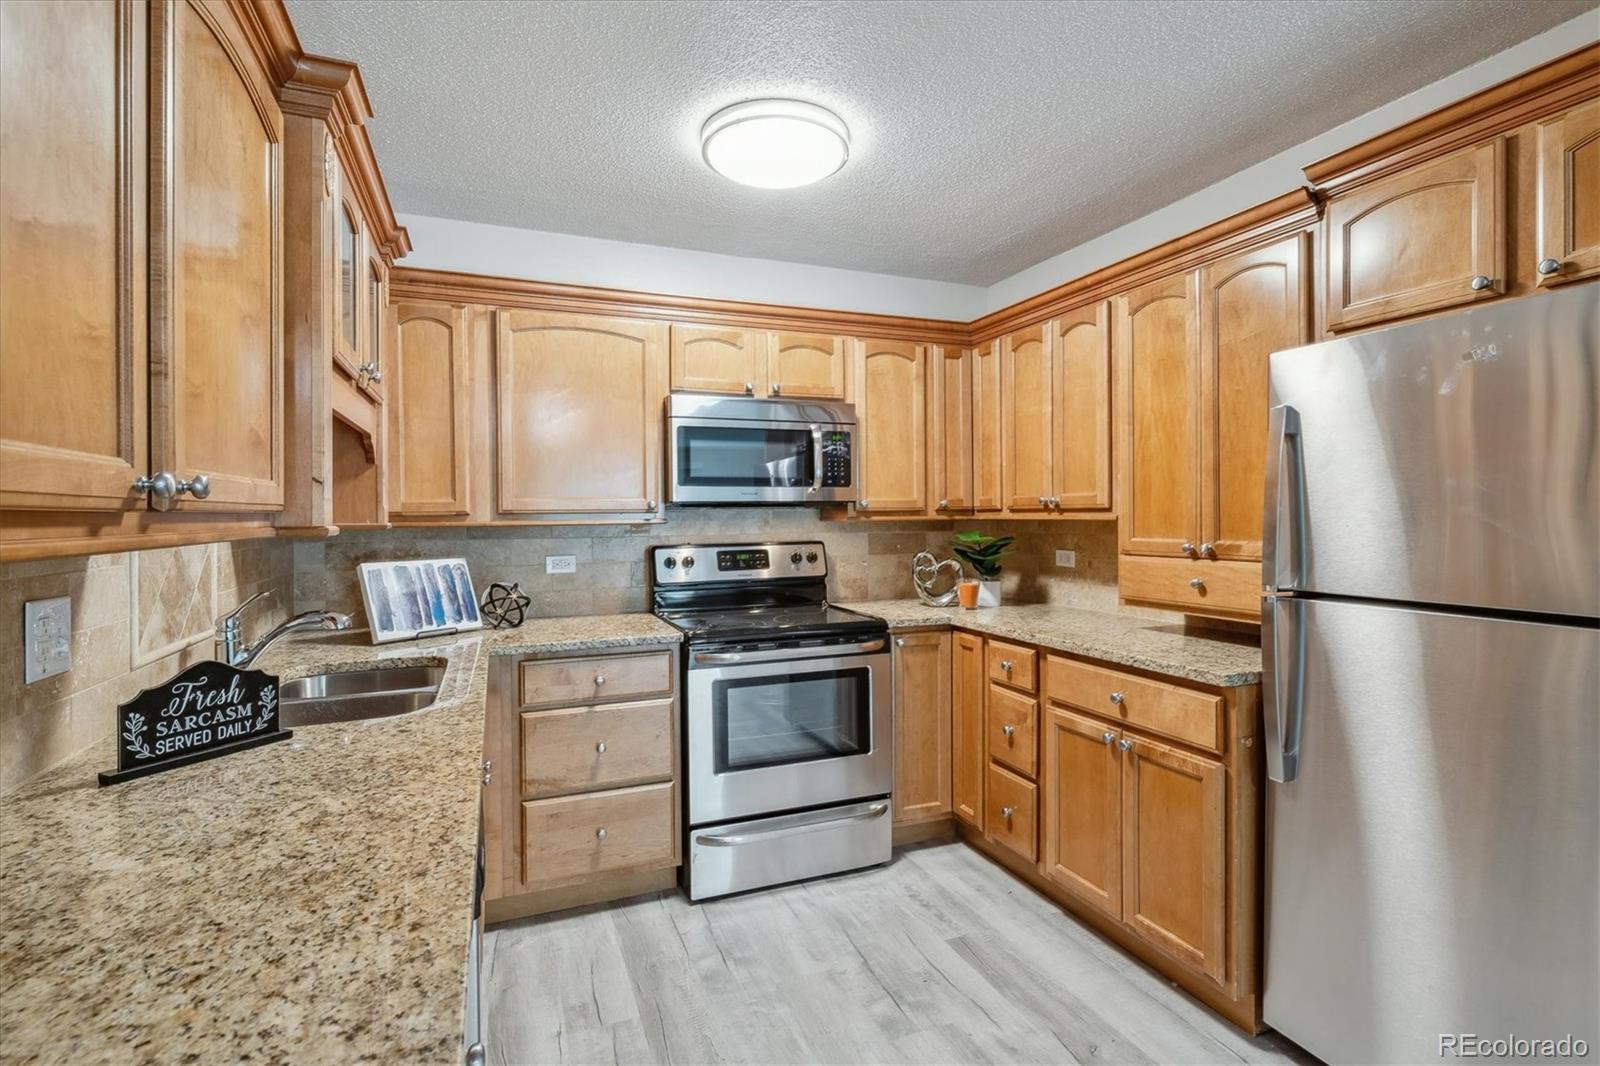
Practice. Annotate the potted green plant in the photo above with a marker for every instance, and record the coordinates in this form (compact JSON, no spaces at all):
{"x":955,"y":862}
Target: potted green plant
{"x":982,"y":553}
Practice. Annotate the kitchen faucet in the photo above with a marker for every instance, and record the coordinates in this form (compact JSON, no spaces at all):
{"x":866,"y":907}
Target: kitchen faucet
{"x":230,"y":646}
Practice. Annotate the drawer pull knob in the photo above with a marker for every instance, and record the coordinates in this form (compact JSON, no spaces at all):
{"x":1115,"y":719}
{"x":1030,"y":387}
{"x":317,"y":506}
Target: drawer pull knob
{"x":1481,"y":282}
{"x":600,"y":747}
{"x":1197,"y":582}
{"x":899,"y":642}
{"x":1548,"y":267}
{"x":1188,"y":549}
{"x":1007,"y":812}
{"x":1007,"y":664}
{"x":1116,"y":697}
{"x":600,"y":834}
{"x":1126,"y":744}
{"x":1008,"y":730}
{"x":1209,"y":551}
{"x":599,"y":679}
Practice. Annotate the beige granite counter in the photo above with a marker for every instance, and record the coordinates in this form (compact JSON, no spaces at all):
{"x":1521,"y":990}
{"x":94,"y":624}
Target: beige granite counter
{"x":307,"y":901}
{"x":1211,"y":657}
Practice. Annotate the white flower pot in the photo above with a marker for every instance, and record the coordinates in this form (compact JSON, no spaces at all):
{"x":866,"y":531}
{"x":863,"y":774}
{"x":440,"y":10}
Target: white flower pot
{"x":989,"y":593}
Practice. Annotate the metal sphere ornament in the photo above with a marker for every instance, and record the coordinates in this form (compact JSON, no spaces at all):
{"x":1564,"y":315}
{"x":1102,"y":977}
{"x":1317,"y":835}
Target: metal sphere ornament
{"x":504,"y":606}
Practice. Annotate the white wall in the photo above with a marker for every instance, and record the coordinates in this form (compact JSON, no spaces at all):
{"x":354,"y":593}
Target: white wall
{"x":473,"y":247}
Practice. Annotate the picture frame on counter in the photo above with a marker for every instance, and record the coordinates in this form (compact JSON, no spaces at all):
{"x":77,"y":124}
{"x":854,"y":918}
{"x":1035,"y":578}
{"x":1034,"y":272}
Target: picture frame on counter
{"x":409,"y":599}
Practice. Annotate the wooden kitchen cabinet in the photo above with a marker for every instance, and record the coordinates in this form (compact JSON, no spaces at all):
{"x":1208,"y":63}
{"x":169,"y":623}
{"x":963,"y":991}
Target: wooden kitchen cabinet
{"x":710,"y":359}
{"x":74,"y":366}
{"x":892,"y":413}
{"x":1174,"y":843}
{"x":967,"y":725}
{"x":1569,"y":196}
{"x":579,"y":426}
{"x":1082,"y":781}
{"x":1056,"y":409}
{"x":430,"y":408}
{"x":988,"y":450}
{"x":1026,"y":389}
{"x":1427,"y":237}
{"x":807,"y":366}
{"x":952,"y":439}
{"x":922,"y":675}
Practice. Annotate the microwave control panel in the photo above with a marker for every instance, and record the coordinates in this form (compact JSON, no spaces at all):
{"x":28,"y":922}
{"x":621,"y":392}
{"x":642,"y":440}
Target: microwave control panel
{"x":836,"y":458}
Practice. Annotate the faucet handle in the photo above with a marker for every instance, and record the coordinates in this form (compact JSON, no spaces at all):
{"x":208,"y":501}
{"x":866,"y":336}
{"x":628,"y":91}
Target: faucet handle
{"x":233,"y":615}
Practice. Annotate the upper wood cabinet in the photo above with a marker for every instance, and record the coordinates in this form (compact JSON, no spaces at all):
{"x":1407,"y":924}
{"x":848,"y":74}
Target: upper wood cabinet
{"x":1158,"y":371}
{"x":1082,"y":405}
{"x":1082,"y":816}
{"x":807,"y":366}
{"x":921,"y":726}
{"x":711,"y":359}
{"x":1252,"y":304}
{"x":1026,"y":388}
{"x":348,"y":290}
{"x":969,"y":682}
{"x":988,"y":452}
{"x":73,"y":379}
{"x":952,"y":430}
{"x":1425,"y":238}
{"x":579,"y":426}
{"x":892,"y":412}
{"x":430,"y":409}
{"x":1569,"y":196}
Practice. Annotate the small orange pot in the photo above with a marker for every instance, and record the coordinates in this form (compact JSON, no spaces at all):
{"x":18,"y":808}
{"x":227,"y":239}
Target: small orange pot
{"x":968,"y":591}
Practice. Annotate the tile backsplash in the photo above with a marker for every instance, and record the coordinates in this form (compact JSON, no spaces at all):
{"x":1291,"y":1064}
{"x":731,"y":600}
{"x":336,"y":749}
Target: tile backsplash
{"x":137,"y":618}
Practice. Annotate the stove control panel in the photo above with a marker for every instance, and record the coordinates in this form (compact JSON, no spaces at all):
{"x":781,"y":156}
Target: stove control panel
{"x":686,"y":564}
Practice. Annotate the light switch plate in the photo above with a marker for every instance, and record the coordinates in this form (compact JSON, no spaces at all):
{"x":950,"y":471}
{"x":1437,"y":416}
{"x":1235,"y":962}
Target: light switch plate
{"x":46,"y":638}
{"x":1066,"y":557}
{"x":561,"y":564}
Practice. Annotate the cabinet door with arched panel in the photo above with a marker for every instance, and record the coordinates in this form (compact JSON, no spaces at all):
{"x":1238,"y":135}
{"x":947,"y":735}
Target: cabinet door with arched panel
{"x":1082,"y":405}
{"x":807,"y":366}
{"x":714,"y":359}
{"x":1027,"y":417}
{"x":892,"y":415}
{"x":1569,"y":196}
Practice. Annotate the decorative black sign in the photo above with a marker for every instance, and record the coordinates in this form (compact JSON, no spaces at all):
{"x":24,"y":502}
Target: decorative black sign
{"x":208,"y":710}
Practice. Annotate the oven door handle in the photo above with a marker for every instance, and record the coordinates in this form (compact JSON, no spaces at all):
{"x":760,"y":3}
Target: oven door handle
{"x":799,"y":824}
{"x":816,"y":651}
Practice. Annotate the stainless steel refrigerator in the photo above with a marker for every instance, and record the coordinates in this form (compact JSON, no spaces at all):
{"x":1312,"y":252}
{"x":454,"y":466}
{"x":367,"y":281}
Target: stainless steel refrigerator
{"x":1432,"y":685}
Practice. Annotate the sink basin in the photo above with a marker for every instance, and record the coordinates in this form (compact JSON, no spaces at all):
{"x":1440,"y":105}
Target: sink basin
{"x":354,"y":695}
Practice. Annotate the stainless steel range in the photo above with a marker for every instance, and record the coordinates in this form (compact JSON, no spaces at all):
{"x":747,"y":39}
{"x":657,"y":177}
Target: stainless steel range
{"x":787,"y":716}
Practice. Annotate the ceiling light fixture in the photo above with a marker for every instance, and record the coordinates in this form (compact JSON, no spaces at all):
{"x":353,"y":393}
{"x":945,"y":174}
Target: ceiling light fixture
{"x":775,"y":144}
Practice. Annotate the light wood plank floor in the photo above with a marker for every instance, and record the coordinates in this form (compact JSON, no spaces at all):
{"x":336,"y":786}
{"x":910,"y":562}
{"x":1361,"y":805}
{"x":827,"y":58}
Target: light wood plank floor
{"x":940,"y":957}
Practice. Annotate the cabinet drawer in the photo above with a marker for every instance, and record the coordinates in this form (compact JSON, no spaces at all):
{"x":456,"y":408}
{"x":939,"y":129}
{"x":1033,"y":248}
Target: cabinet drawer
{"x":580,"y":749}
{"x":1229,"y":589}
{"x":1180,"y":713}
{"x":571,"y":838}
{"x":1006,"y":791}
{"x":595,"y":679}
{"x":1019,"y":748}
{"x":1022,"y":672}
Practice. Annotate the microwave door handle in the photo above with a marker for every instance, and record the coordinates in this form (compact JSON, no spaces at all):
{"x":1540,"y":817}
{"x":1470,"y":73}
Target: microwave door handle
{"x":1283,"y":549}
{"x":1283,"y":644}
{"x":816,"y":458}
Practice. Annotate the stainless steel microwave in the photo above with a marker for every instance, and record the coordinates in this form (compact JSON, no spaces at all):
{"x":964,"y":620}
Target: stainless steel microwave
{"x":760,"y":451}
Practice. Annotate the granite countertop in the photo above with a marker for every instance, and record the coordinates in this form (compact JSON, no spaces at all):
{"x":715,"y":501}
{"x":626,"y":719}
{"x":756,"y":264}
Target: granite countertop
{"x":1210,"y":656}
{"x":307,"y":901}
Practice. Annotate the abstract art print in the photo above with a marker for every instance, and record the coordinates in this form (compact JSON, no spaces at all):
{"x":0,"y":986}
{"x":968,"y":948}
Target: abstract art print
{"x":418,"y":598}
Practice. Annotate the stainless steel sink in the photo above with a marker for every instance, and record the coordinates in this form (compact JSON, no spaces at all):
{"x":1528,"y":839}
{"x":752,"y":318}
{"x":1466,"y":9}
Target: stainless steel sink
{"x":353,"y":695}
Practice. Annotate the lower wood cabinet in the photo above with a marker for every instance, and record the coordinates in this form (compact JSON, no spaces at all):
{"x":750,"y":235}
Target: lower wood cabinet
{"x":1083,"y":808}
{"x":1012,"y":731}
{"x":575,"y":837}
{"x":967,"y":720}
{"x":1011,"y":805}
{"x":921,"y":727}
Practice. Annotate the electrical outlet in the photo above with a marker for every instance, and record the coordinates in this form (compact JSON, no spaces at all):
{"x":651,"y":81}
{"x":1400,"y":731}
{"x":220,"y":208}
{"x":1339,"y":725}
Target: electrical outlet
{"x":46,"y":638}
{"x":1066,"y":557}
{"x":561,"y":564}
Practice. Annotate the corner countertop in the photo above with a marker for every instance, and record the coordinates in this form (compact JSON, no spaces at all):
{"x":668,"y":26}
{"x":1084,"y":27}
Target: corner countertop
{"x":307,"y":901}
{"x":1209,"y":656}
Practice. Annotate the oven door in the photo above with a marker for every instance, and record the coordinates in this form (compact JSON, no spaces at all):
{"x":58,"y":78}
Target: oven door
{"x":780,"y":729}
{"x":717,"y":460}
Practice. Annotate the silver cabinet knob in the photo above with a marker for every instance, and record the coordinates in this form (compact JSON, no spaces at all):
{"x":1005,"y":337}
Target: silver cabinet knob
{"x":599,"y":679}
{"x":1548,"y":267}
{"x":749,"y":388}
{"x":1108,"y":737}
{"x":1126,"y":744}
{"x":649,"y":505}
{"x":1187,"y":548}
{"x":1116,"y":697}
{"x":1480,"y":282}
{"x":1055,"y":501}
{"x":1197,"y":582}
{"x":1209,"y":551}
{"x":775,"y":390}
{"x":198,"y":486}
{"x":1007,"y":812}
{"x":162,"y":485}
{"x":899,"y":642}
{"x":1008,"y":730}
{"x":488,"y":770}
{"x":1007,"y":664}
{"x":862,"y":505}
{"x":600,"y":748}
{"x":943,"y":504}
{"x":600,"y":834}
{"x":1041,"y":501}
{"x":371,"y":372}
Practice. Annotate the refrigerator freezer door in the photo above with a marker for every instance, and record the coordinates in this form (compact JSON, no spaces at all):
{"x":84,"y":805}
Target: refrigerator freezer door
{"x":1450,"y":461}
{"x":1434,"y":866}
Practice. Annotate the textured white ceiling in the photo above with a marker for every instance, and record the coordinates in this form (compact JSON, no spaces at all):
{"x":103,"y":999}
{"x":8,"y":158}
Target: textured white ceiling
{"x":987,"y":136}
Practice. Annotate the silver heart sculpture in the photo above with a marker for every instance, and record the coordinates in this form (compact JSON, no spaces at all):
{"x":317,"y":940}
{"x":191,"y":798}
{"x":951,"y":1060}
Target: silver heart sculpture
{"x":925,"y":570}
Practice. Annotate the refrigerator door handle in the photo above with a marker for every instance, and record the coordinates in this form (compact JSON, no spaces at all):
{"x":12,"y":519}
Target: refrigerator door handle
{"x":1283,"y":683}
{"x":1283,"y":550}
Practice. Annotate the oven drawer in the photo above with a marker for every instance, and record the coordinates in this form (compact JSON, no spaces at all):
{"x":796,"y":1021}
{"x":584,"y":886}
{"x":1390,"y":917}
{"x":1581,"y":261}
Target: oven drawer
{"x":1016,"y":830}
{"x":1013,"y":729}
{"x":572,"y":838}
{"x":1180,"y":713}
{"x":580,"y":749}
{"x":596,"y":679}
{"x":790,"y":847}
{"x":1013,"y":664}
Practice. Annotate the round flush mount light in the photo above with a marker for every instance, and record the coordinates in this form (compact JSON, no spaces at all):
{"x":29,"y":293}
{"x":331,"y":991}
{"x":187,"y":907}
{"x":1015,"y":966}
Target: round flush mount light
{"x":775,"y":144}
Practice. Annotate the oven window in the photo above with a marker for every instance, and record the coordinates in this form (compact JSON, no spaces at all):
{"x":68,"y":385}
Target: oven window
{"x":744,"y":458}
{"x":779,"y":719}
